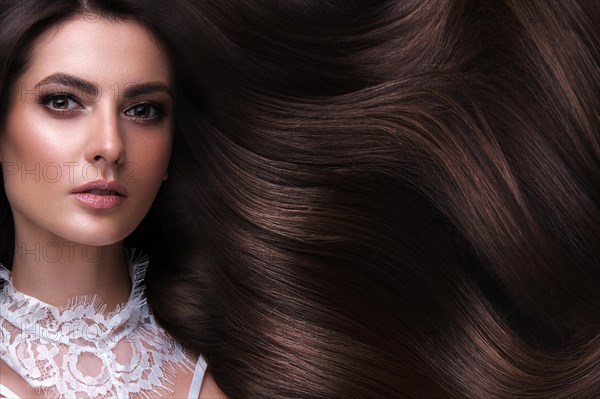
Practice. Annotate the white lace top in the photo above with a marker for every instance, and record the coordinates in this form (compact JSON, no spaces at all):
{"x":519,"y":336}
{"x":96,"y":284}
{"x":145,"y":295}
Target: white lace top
{"x":81,"y":352}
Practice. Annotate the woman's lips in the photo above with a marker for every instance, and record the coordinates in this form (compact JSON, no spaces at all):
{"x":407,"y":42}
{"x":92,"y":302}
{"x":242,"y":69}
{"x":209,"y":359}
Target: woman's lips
{"x":100,"y":201}
{"x":101,"y":194}
{"x":102,"y":185}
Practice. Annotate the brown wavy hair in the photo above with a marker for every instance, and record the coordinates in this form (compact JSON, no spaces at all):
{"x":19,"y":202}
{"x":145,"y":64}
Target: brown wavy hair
{"x":384,"y":199}
{"x":400,"y":199}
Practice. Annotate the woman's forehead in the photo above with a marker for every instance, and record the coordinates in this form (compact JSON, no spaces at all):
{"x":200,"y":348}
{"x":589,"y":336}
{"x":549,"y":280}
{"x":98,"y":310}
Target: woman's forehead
{"x":102,"y":51}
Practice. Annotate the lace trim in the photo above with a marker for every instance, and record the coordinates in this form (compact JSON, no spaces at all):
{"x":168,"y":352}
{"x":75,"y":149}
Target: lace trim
{"x":78,"y":351}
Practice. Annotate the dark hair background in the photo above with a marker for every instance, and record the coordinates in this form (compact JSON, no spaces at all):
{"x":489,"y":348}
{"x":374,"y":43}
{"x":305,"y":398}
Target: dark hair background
{"x":379,"y":198}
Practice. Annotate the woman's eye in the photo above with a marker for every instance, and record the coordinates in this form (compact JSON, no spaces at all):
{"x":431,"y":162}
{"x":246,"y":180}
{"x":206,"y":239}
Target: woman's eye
{"x":144,"y":111}
{"x":61,"y":102}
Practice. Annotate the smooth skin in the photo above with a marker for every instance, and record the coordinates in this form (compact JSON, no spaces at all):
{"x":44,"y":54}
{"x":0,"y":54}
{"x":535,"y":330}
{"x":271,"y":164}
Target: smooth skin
{"x":95,"y":103}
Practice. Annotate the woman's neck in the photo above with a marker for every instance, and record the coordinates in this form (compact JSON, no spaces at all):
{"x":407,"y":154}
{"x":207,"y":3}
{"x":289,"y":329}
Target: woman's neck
{"x":57,"y":271}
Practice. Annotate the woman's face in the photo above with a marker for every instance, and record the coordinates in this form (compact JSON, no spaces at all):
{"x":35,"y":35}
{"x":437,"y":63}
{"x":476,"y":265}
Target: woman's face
{"x":88,"y":133}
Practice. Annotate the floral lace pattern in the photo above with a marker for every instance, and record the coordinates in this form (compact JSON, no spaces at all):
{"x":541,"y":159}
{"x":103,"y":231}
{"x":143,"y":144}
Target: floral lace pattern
{"x":80,"y":352}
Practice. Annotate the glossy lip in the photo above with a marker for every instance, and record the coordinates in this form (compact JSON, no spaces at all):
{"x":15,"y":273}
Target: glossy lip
{"x":104,"y":201}
{"x":102,"y":185}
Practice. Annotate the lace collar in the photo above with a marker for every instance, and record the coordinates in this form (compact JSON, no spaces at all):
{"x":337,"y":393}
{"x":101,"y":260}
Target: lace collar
{"x":79,"y":351}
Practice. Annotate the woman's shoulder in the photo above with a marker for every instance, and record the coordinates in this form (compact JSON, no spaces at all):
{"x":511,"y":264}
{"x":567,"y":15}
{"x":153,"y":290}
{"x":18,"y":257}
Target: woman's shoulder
{"x":210,"y":389}
{"x":198,"y":384}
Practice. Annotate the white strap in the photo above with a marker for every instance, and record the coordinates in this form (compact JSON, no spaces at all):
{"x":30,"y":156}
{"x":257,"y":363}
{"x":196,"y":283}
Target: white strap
{"x":198,"y":378}
{"x":7,"y":393}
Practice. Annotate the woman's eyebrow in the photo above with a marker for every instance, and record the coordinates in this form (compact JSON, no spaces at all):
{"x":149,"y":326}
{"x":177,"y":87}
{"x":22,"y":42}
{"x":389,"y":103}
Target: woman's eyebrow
{"x":131,"y":89}
{"x":71,"y":81}
{"x":134,"y":90}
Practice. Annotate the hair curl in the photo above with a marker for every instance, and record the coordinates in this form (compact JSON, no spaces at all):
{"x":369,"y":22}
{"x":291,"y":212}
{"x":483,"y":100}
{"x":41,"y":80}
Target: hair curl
{"x":399,"y":199}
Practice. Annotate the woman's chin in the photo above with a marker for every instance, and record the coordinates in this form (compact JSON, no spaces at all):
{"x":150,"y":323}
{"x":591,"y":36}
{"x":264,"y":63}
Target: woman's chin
{"x":97,"y":238}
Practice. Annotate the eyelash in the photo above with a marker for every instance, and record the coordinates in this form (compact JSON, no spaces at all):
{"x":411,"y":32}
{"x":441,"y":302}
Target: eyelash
{"x":158,"y":108}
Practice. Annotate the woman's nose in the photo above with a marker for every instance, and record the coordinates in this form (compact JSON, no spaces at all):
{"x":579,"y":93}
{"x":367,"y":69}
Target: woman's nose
{"x":106,"y":146}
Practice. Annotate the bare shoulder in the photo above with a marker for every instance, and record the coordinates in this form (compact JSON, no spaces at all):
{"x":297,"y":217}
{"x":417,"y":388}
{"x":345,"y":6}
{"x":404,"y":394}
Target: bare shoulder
{"x":210,"y":389}
{"x":15,"y":383}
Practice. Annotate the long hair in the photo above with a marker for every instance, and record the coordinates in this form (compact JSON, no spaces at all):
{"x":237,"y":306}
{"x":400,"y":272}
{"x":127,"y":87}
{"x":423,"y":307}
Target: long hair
{"x":398,"y":199}
{"x":380,"y":199}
